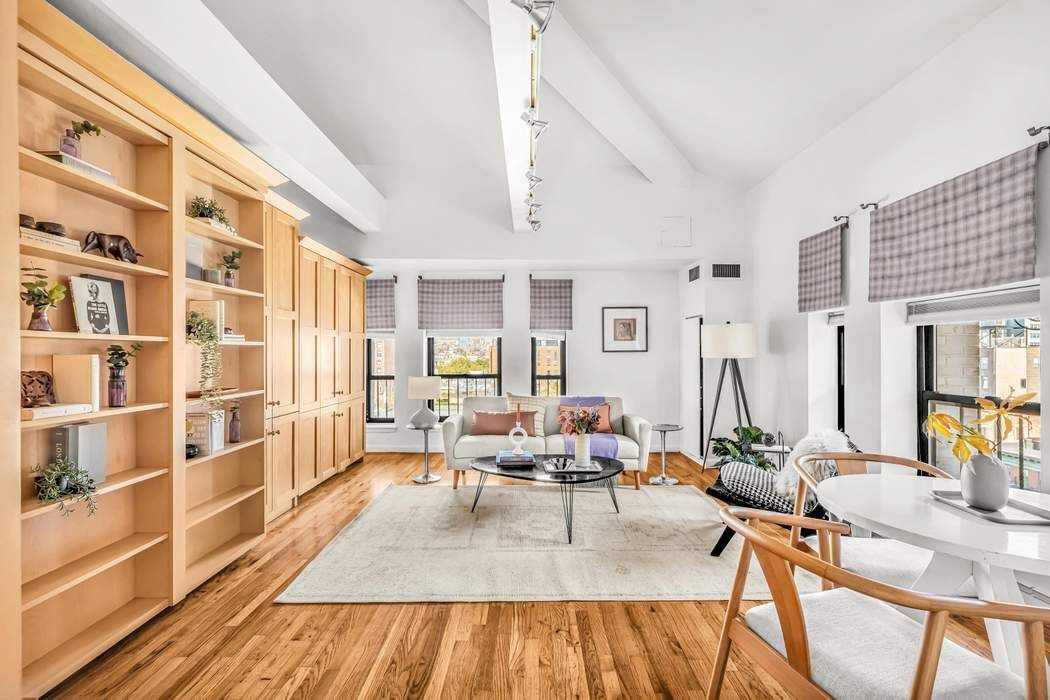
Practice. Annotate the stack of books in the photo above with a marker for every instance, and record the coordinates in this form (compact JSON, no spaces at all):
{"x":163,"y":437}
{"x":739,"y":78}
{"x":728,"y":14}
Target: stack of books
{"x":31,"y":234}
{"x":233,"y":337}
{"x":81,"y":165}
{"x":507,"y":458}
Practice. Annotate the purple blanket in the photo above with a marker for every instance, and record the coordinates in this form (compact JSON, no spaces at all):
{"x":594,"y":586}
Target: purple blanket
{"x":602,"y":444}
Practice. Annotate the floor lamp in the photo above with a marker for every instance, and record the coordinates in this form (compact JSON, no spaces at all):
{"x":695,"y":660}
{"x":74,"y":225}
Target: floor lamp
{"x":729,"y":342}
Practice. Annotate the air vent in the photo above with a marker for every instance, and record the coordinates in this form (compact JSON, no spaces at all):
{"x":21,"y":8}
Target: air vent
{"x":725,"y":270}
{"x":694,"y":273}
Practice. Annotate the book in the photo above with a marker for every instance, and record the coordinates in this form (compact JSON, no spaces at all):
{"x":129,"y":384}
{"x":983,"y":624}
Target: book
{"x":84,"y":444}
{"x":55,"y":410}
{"x":76,"y":379}
{"x":206,"y":432}
{"x":50,"y":239}
{"x":194,"y":258}
{"x":507,"y":458}
{"x":81,"y":165}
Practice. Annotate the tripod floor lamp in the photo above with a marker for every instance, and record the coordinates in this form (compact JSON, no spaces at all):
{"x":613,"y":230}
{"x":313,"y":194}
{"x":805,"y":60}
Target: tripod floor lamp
{"x":729,"y":342}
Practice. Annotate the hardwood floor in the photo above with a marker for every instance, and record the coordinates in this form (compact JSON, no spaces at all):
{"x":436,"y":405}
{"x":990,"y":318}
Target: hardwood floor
{"x":228,"y":639}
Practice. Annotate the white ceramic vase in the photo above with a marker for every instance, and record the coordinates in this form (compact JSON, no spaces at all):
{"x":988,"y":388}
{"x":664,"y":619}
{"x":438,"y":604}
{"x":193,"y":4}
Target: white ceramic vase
{"x":583,"y":450}
{"x":985,"y":482}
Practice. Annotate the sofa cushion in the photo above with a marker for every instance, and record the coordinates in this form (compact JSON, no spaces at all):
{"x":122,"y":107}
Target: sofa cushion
{"x":470,"y":446}
{"x":530,"y":403}
{"x":603,"y":417}
{"x":502,"y":422}
{"x":479,"y":403}
{"x":627,"y":448}
{"x":550,"y":421}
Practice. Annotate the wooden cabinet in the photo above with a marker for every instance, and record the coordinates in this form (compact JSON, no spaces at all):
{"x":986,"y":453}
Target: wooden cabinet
{"x":326,"y":440}
{"x":308,"y":469}
{"x":309,"y":330}
{"x":282,"y":322}
{"x":282,"y":453}
{"x":356,"y":409}
{"x":342,"y":436}
{"x":327,"y":367}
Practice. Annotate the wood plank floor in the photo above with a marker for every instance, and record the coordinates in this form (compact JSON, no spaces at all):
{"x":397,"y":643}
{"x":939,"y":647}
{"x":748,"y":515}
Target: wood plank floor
{"x":228,"y":639}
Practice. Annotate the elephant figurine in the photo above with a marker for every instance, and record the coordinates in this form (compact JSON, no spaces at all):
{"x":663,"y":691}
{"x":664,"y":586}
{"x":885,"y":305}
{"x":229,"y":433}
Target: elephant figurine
{"x":111,"y":245}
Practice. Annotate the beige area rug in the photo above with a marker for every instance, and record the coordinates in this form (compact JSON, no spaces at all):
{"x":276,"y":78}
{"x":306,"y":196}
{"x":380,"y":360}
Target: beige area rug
{"x":422,"y":544}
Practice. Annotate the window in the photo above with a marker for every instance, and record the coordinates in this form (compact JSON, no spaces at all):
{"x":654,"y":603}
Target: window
{"x":548,"y":367}
{"x":379,"y":402}
{"x":468,"y":366}
{"x":840,"y":347}
{"x":960,"y":361}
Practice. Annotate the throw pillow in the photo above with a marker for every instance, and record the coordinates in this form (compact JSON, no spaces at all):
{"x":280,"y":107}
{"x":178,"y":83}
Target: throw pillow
{"x":501,"y":423}
{"x":604,"y":426}
{"x":538,"y":404}
{"x":827,"y":440}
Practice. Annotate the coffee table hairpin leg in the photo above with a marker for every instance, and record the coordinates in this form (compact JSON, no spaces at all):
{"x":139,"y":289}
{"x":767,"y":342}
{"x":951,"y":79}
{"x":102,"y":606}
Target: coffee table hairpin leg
{"x":477,"y":494}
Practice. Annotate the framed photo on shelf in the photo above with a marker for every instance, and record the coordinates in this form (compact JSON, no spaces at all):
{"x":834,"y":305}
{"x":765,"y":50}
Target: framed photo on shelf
{"x":625,"y":329}
{"x":99,"y":305}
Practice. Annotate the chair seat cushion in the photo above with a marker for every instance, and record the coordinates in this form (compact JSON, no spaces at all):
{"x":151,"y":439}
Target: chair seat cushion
{"x":626,"y":447}
{"x":470,"y":446}
{"x":862,"y":648}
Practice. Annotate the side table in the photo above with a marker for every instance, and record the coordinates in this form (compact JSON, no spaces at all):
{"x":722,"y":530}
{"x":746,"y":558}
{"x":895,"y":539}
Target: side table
{"x":426,"y":477}
{"x":663,"y":479}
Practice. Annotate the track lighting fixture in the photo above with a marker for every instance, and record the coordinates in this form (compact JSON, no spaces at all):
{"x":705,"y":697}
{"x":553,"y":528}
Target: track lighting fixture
{"x":539,"y":11}
{"x":538,"y":125}
{"x":533,"y":179}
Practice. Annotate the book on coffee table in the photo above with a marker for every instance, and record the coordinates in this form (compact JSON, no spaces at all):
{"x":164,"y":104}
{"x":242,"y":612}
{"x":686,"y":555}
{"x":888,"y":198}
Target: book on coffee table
{"x":507,"y":458}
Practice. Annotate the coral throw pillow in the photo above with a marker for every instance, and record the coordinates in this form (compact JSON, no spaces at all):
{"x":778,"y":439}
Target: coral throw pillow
{"x":501,"y":423}
{"x":604,"y":426}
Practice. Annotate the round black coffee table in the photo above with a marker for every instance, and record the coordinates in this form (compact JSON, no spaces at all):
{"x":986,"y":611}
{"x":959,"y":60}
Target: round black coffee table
{"x":611,"y":468}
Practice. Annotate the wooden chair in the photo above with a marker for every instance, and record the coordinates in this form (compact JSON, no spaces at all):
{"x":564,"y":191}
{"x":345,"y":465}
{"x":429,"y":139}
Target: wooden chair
{"x":885,"y":560}
{"x":848,"y":641}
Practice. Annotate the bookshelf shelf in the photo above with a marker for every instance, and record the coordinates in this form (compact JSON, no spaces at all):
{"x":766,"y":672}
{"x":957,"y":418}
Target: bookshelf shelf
{"x":215,"y":560}
{"x":203,"y":230}
{"x":200,"y":169}
{"x":221,"y":289}
{"x":229,"y":396}
{"x":91,"y":337}
{"x":101,"y":414}
{"x":97,"y":262}
{"x":32,"y":507}
{"x":213,"y":506}
{"x":229,"y":449}
{"x":32,"y":162}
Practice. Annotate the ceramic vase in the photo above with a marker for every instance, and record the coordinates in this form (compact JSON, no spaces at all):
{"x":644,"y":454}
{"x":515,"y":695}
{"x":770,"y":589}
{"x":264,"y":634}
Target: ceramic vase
{"x":118,"y":388}
{"x":38,"y":321}
{"x":583,"y":450}
{"x":70,"y":144}
{"x":229,"y":279}
{"x":235,"y":426}
{"x":985,"y":483}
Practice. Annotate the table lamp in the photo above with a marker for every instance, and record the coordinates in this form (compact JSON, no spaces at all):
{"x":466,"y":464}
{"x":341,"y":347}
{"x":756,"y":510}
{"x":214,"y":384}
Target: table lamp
{"x":424,"y":389}
{"x":729,"y":342}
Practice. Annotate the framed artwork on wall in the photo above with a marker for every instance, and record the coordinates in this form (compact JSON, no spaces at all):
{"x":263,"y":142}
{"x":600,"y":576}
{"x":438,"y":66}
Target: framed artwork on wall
{"x":625,"y":329}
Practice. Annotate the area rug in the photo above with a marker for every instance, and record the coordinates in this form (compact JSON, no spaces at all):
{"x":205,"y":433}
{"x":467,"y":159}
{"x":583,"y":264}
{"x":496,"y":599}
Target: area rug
{"x":422,"y":544}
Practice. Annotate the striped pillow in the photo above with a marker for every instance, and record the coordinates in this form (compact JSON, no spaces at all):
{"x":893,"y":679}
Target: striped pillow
{"x":530,"y":403}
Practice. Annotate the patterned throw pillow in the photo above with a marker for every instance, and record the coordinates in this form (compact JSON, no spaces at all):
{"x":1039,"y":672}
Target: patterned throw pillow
{"x":530,"y":403}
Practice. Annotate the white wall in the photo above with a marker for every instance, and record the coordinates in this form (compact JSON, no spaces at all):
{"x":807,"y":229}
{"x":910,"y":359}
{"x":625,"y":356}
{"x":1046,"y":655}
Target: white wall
{"x":967,"y":106}
{"x":648,"y":382}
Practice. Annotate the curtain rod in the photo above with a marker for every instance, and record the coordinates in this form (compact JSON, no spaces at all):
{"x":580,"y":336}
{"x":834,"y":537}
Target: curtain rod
{"x":841,"y":217}
{"x":419,"y":278}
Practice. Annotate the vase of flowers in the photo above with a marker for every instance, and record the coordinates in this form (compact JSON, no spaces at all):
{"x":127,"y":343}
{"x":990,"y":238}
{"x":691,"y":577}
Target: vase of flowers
{"x":581,"y":422}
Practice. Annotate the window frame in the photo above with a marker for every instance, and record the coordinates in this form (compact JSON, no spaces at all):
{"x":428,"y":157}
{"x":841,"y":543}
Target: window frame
{"x":561,"y":377}
{"x":498,"y":375}
{"x":369,"y":376}
{"x":840,"y":350}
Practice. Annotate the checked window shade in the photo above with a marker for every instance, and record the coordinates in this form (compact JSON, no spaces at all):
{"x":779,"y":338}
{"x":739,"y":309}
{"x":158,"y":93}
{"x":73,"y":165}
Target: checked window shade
{"x":820,"y":270}
{"x":973,"y":231}
{"x":550,"y":305}
{"x":379,"y":305}
{"x":449,"y":305}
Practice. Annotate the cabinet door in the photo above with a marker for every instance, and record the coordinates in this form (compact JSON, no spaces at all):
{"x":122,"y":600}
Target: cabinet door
{"x":309,"y":332}
{"x":342,"y":299}
{"x":308,"y":469}
{"x":282,"y":250}
{"x":343,"y":365}
{"x":342,"y":436}
{"x":357,"y":303}
{"x":282,"y":448}
{"x":357,"y":429}
{"x":283,"y":388}
{"x":326,"y":306}
{"x":326,"y":463}
{"x":358,"y":358}
{"x":327,"y":367}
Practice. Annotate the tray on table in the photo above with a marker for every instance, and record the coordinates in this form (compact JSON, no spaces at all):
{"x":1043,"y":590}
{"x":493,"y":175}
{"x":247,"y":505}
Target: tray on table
{"x":1015,"y":512}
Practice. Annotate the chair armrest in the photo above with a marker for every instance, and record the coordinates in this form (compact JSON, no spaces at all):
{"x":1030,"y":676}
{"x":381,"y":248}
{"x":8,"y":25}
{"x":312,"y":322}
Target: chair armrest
{"x":641,"y":431}
{"x":451,"y":430}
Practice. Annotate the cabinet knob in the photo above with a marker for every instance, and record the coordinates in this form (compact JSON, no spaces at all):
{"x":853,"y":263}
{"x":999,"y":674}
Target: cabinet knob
{"x":277,"y":402}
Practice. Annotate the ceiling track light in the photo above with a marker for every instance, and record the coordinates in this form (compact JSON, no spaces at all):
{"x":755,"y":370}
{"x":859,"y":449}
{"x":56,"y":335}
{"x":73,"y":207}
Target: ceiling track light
{"x":540,"y":12}
{"x":538,"y":125}
{"x":533,"y":179}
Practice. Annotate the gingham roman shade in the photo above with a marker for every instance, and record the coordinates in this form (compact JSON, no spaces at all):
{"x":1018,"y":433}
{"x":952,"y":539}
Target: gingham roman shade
{"x":820,"y":270}
{"x":550,"y":305}
{"x":453,"y":304}
{"x":379,"y":305}
{"x":976,"y":230}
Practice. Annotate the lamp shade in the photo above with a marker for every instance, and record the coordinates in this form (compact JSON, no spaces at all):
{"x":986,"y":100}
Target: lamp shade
{"x":728,"y":340}
{"x":424,"y":388}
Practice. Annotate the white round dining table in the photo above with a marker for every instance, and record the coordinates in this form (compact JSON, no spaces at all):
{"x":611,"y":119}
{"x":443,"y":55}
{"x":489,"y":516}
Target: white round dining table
{"x":963,"y":545}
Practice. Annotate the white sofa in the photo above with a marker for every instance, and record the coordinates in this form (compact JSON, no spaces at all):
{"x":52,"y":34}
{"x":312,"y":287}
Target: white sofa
{"x":633,"y":434}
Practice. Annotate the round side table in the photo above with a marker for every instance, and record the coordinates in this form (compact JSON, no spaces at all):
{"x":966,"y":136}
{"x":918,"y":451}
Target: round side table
{"x":426,"y":477}
{"x":663,"y":479}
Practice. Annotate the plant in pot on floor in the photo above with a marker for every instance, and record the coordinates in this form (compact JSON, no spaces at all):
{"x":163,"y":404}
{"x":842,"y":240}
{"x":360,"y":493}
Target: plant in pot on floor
{"x":738,"y":448}
{"x":984,"y":479}
{"x":582,"y":422}
{"x":63,"y":482}
{"x":231,"y":262}
{"x":118,"y":359}
{"x":37,"y":294}
{"x":209,"y":211}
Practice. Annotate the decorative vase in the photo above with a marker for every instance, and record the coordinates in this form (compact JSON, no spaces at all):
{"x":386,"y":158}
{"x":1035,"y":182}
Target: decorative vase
{"x":235,"y":426}
{"x":583,"y":450}
{"x":517,"y":437}
{"x":118,"y":388}
{"x":985,"y":483}
{"x":70,"y":143}
{"x":38,"y":321}
{"x":229,"y":279}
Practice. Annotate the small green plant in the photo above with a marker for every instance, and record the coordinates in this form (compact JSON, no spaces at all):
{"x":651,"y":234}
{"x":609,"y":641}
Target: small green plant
{"x":62,"y":481}
{"x":85,"y":127}
{"x":209,"y":209}
{"x":235,"y":408}
{"x":201,"y":331}
{"x":36,"y":292}
{"x":739,"y":449}
{"x":118,"y":357}
{"x":232,"y":260}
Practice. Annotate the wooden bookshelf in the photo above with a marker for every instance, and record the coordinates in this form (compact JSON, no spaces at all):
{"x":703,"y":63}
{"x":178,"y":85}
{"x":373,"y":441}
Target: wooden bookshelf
{"x":92,"y":337}
{"x":221,"y":289}
{"x":32,"y":507}
{"x":214,"y":561}
{"x":203,"y":230}
{"x":229,"y":449}
{"x":34,"y":249}
{"x":100,"y":414}
{"x":32,"y":162}
{"x":217,"y":504}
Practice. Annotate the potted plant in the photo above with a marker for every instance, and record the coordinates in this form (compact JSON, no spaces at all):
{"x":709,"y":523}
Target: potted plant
{"x":118,"y":359}
{"x":235,"y":422}
{"x":201,"y":331}
{"x":209,"y":211}
{"x":739,"y":449}
{"x":62,"y":481}
{"x":37,"y":294}
{"x":984,"y":479}
{"x":581,"y":422}
{"x":231,"y":262}
{"x":70,"y":143}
